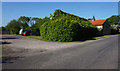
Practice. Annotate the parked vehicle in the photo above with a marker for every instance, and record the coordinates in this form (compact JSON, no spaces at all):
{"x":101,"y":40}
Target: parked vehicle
{"x":25,"y":32}
{"x":20,"y":32}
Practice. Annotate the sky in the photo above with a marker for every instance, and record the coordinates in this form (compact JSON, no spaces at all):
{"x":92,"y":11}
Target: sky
{"x":0,"y":13}
{"x":60,"y":0}
{"x":101,"y":10}
{"x":119,"y":8}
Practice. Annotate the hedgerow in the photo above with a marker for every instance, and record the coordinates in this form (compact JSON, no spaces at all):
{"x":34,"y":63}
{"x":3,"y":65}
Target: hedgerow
{"x":66,"y":27}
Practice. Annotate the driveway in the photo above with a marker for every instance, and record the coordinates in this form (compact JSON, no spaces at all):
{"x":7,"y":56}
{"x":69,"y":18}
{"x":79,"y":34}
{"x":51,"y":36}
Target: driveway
{"x":26,"y":44}
{"x":95,"y":54}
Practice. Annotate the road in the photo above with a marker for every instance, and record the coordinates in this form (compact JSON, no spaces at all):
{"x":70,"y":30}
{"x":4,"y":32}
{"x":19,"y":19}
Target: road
{"x":99,"y":54}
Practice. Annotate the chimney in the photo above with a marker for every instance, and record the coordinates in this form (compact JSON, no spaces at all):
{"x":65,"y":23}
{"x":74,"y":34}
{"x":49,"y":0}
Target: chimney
{"x":93,"y":18}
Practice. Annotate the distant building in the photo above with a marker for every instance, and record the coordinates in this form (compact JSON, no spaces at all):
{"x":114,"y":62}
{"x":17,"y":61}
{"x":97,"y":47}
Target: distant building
{"x":103,"y":25}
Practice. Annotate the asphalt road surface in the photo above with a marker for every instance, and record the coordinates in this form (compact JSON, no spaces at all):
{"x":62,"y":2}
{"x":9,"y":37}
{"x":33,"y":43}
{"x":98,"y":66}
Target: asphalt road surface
{"x":100,"y":54}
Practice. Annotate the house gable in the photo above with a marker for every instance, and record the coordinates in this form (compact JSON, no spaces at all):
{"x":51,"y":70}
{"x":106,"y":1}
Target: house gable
{"x":102,"y":24}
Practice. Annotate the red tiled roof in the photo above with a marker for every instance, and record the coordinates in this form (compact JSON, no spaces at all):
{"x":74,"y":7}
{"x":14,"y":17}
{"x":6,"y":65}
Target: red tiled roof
{"x":98,"y":22}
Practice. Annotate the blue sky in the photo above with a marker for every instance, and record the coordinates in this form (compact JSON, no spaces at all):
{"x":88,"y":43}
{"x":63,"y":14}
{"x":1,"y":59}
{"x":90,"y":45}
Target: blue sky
{"x":101,"y":10}
{"x":60,"y":0}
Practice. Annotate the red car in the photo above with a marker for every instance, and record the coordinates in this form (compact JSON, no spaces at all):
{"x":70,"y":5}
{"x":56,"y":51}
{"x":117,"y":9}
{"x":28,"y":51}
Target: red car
{"x":26,"y":32}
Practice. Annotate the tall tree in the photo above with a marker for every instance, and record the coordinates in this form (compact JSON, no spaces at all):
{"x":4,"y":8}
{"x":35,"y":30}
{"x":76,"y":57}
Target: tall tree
{"x":36,"y":20}
{"x":113,"y":20}
{"x":24,"y":20}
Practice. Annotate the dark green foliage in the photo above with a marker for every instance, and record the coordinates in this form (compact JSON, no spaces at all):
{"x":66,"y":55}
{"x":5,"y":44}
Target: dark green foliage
{"x":43,"y":20}
{"x":114,"y":31}
{"x":13,"y":27}
{"x":2,"y":28}
{"x":60,"y":14}
{"x":66,"y":27}
{"x":58,"y":30}
{"x":35,"y":29}
{"x":37,"y":20}
{"x":23,"y":25}
{"x":24,"y":19}
{"x":89,"y":18}
{"x":113,"y":20}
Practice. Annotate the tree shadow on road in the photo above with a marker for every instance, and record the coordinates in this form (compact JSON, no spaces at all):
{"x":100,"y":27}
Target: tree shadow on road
{"x":4,"y":42}
{"x":8,"y":59}
{"x":8,"y":38}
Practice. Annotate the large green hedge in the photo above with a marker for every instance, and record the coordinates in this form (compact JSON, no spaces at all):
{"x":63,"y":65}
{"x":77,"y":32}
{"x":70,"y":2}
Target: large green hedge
{"x":66,"y":27}
{"x":59,"y":31}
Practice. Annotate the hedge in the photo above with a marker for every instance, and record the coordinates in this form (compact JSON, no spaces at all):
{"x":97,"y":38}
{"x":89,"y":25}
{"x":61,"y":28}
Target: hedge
{"x":66,"y":30}
{"x":66,"y":27}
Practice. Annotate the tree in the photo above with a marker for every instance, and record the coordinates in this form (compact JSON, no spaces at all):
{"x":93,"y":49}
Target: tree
{"x":37,"y":23}
{"x":2,"y":28}
{"x":13,"y":27}
{"x":44,"y":20}
{"x":89,"y":18}
{"x":35,"y":28}
{"x":24,"y":20}
{"x":23,"y":25}
{"x":113,"y":20}
{"x":36,"y":20}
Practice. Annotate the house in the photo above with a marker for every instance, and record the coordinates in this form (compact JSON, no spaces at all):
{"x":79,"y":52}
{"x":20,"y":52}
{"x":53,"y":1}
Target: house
{"x":103,"y":25}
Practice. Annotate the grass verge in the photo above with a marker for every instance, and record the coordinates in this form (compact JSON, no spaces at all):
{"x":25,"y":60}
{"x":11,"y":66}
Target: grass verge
{"x":105,"y":36}
{"x":94,"y":38}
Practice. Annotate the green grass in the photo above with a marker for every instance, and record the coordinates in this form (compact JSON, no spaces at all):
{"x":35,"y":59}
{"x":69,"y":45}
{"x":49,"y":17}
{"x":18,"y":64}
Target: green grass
{"x":38,"y":38}
{"x":105,"y":36}
{"x":33,"y":36}
{"x":94,"y":38}
{"x":0,"y":47}
{"x":98,"y":37}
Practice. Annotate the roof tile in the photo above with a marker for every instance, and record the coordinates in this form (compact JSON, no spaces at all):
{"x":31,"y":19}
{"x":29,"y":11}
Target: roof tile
{"x":98,"y":22}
